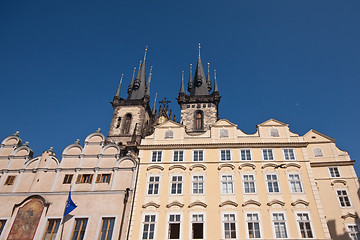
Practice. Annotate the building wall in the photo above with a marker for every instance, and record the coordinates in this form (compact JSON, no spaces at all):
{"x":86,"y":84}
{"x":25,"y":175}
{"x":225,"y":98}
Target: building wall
{"x":317,"y":199}
{"x":43,"y":178}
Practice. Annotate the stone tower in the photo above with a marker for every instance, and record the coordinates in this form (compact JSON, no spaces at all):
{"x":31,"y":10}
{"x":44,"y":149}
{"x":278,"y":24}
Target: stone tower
{"x":132,"y":117}
{"x":199,"y":109}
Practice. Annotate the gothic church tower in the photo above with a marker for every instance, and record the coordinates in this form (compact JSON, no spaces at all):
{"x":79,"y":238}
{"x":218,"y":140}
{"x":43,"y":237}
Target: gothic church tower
{"x":199,"y":109}
{"x":132,"y":116}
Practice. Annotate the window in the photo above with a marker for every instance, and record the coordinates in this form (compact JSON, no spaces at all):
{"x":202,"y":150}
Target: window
{"x":51,"y":229}
{"x":153,"y":185}
{"x":274,"y":132}
{"x":343,"y":198}
{"x":178,"y":156}
{"x":118,"y":121}
{"x":289,"y":154}
{"x":198,"y":155}
{"x":107,"y":226}
{"x":197,"y":184}
{"x":229,"y":226}
{"x":304,"y":225}
{"x":68,"y":178}
{"x":272,"y":183}
{"x":149,"y":227}
{"x":249,"y":183}
{"x":84,"y":178}
{"x":197,"y":226}
{"x":225,"y":155}
{"x":268,"y":154}
{"x":253,"y":225}
{"x":227,"y":184}
{"x":10,"y":180}
{"x":176,"y":184}
{"x":127,"y":124}
{"x":103,"y":178}
{"x":224,"y":133}
{"x":169,"y":134}
{"x":199,"y":120}
{"x":295,"y":183}
{"x":334,"y":172}
{"x":156,"y":156}
{"x":318,"y":152}
{"x":353,"y":230}
{"x":279,"y":225}
{"x":174,"y":226}
{"x":245,"y":154}
{"x":2,"y":225}
{"x":79,"y":229}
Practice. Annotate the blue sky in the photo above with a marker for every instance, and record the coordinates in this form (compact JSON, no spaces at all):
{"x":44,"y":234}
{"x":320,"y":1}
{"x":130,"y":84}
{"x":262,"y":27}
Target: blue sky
{"x":295,"y":61}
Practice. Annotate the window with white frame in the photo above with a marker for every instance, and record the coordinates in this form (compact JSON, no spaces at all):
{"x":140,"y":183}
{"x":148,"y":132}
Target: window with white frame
{"x":169,"y":134}
{"x":229,"y":223}
{"x":334,"y":172}
{"x":224,"y":133}
{"x":227,"y":184}
{"x":197,"y":184}
{"x":289,"y":154}
{"x":153,"y":185}
{"x":176,"y":184}
{"x":353,"y":231}
{"x":272,"y":183}
{"x":245,"y":154}
{"x":268,"y":154}
{"x":274,"y":132}
{"x":279,"y":223}
{"x":343,"y":197}
{"x":149,"y":226}
{"x":79,"y":228}
{"x":156,"y":156}
{"x":304,"y":224}
{"x":249,"y":183}
{"x":225,"y":155}
{"x":295,"y":183}
{"x":107,"y":228}
{"x":174,"y":226}
{"x":178,"y":156}
{"x":197,"y":226}
{"x":318,"y":152}
{"x":253,"y":225}
{"x":198,"y":155}
{"x":51,"y":229}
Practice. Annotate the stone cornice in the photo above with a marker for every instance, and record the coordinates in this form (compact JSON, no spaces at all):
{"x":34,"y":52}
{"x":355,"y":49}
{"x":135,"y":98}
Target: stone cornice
{"x":222,"y":145}
{"x":335,"y":163}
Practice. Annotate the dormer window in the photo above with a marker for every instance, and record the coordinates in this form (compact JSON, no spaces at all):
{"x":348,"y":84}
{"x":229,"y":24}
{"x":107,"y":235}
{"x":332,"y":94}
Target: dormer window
{"x":127,"y":124}
{"x":169,"y":134}
{"x":274,"y":132}
{"x":199,"y":120}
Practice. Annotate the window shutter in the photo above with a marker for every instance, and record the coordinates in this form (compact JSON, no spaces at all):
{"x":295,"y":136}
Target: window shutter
{"x":98,"y":178}
{"x":78,"y":178}
{"x":91,"y":177}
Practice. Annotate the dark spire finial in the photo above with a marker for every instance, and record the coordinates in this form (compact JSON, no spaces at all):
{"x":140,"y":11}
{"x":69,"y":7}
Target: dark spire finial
{"x":208,"y":81}
{"x":199,"y":49}
{"x":117,"y":94}
{"x":147,"y":92}
{"x":146,"y":48}
{"x":215,"y":83}
{"x":154,"y":107}
{"x":132,"y":82}
{"x":182,"y":89}
{"x":190,"y":84}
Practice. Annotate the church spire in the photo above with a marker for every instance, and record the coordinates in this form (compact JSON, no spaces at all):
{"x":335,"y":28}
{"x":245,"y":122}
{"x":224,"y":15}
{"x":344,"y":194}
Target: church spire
{"x":147,"y":92}
{"x":208,"y":81}
{"x":117,"y":94}
{"x":131,"y":83}
{"x":199,"y":83}
{"x":190,"y":84}
{"x":139,"y":85}
{"x":215,"y":83}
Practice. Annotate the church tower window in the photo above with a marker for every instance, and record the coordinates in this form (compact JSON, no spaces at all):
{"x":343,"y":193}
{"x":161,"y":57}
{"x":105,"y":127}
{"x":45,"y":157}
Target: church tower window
{"x":199,"y":120}
{"x":127,"y":123}
{"x":118,"y":122}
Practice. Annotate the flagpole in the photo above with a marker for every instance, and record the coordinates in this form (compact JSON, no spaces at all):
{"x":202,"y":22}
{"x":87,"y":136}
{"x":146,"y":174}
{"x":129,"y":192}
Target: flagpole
{"x":63,"y":218}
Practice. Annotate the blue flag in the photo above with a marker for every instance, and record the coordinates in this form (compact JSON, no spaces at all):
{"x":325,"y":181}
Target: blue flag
{"x":70,"y":205}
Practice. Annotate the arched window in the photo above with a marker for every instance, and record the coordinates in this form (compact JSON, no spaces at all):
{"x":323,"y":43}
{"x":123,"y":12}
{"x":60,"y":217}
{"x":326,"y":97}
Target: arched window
{"x":274,"y":132}
{"x":199,"y":120}
{"x":127,"y":123}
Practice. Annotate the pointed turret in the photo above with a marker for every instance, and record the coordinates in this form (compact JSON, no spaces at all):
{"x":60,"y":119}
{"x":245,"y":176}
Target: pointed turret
{"x":117,"y":94}
{"x":182,"y":89}
{"x":139,"y":85}
{"x":147,"y":90}
{"x":190,"y":84}
{"x":215,"y":83}
{"x":208,"y":81}
{"x":131,"y":83}
{"x":200,"y":87}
